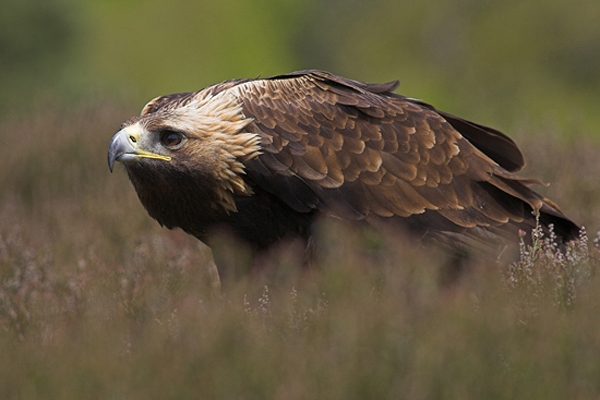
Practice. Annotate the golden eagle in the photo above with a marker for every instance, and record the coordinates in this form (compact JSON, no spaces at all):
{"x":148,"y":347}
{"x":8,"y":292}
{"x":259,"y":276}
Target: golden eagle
{"x":267,"y":157}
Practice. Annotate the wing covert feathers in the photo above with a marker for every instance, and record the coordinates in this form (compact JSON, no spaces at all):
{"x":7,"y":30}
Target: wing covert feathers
{"x":361,"y":150}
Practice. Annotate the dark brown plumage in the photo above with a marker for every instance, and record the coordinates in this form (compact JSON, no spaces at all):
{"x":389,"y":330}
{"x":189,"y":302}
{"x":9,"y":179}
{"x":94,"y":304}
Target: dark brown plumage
{"x":266,"y":157}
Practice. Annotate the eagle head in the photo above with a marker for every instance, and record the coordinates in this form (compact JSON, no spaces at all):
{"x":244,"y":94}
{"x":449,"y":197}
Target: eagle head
{"x":190,"y":147}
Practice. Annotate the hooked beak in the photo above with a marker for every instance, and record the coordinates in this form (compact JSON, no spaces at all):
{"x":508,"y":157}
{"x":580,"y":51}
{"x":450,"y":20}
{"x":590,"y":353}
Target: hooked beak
{"x":124,"y":147}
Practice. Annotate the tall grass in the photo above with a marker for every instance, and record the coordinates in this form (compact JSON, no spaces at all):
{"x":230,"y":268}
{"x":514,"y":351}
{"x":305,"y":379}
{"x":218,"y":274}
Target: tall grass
{"x":97,"y":301}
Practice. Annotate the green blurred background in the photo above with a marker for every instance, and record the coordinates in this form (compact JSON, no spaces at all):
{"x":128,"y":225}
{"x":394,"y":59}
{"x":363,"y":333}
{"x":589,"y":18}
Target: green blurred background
{"x":501,"y":62}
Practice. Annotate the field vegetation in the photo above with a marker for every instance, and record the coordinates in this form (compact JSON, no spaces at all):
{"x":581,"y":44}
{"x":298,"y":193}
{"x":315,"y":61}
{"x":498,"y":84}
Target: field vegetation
{"x":98,"y":301}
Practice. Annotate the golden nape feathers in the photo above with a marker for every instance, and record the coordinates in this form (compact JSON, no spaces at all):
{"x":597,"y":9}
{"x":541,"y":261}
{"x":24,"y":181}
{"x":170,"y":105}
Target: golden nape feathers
{"x":266,"y":158}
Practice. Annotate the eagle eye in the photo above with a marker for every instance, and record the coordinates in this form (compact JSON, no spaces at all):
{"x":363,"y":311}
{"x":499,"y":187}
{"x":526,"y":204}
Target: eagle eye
{"x":171,"y":139}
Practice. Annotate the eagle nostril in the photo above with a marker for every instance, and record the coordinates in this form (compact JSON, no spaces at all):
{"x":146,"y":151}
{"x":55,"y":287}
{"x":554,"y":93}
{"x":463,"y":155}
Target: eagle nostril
{"x":132,"y":139}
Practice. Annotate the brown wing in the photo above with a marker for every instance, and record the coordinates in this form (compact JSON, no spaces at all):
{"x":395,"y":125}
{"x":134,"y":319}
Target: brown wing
{"x":358,"y":150}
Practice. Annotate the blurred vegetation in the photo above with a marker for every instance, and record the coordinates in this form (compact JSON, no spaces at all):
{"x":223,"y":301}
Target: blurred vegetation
{"x":97,"y":301}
